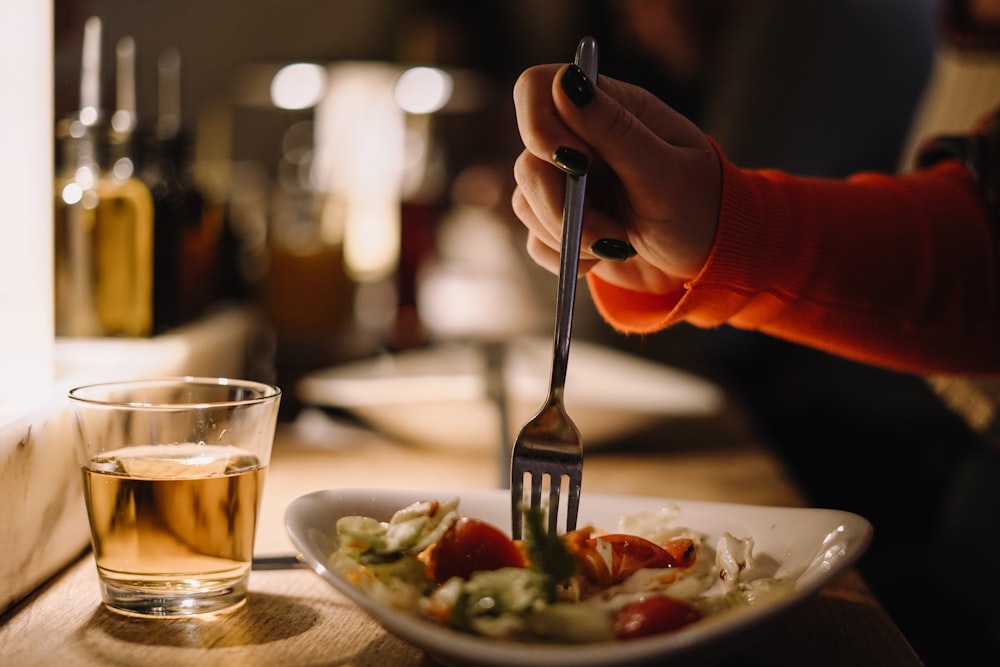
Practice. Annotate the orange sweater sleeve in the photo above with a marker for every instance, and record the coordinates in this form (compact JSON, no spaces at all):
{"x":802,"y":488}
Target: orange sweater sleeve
{"x":897,"y":271}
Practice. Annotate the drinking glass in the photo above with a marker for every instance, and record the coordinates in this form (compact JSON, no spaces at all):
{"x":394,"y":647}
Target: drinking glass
{"x":173,"y":471}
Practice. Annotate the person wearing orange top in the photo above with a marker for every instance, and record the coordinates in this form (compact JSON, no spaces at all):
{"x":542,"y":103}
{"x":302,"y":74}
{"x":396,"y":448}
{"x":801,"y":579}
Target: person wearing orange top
{"x":896,"y":271}
{"x":899,"y":271}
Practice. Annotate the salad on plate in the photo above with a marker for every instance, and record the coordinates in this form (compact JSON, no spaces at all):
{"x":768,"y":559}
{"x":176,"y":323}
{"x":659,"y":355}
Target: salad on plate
{"x":646,"y":577}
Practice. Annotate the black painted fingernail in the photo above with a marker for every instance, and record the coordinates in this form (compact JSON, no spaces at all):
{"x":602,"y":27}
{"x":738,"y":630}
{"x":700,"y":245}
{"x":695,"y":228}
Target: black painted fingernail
{"x":577,"y":86}
{"x":572,"y":161}
{"x":613,"y":249}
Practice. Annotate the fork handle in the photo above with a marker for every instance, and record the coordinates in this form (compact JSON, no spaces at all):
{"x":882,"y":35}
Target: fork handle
{"x":569,"y":256}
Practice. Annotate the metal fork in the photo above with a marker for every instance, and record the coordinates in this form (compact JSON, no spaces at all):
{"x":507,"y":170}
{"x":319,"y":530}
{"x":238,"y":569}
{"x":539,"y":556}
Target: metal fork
{"x":549,"y":444}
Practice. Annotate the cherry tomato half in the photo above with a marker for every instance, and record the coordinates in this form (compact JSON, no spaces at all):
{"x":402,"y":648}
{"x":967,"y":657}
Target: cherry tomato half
{"x":471,"y":545}
{"x":653,"y":615}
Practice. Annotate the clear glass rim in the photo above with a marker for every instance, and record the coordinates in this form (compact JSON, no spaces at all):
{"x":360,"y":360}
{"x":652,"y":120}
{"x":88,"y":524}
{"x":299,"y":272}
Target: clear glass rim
{"x":263,"y":392}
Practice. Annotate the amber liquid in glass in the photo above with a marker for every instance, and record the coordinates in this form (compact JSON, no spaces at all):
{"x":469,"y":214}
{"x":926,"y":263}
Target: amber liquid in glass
{"x":174,"y":520}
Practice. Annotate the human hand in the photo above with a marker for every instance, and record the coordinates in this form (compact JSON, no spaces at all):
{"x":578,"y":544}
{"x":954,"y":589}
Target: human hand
{"x":653,"y":184}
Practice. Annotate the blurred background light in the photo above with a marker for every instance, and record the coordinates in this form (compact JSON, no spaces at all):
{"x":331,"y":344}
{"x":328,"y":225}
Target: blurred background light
{"x":358,"y":166}
{"x":422,"y":90}
{"x":298,"y":86}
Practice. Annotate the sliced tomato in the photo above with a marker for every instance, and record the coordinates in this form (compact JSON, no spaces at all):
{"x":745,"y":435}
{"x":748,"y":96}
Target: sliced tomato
{"x":471,"y":545}
{"x":682,"y":549}
{"x":630,"y":553}
{"x":653,"y":615}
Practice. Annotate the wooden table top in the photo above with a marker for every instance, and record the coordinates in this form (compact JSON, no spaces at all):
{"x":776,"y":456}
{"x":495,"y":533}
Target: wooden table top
{"x":293,"y":618}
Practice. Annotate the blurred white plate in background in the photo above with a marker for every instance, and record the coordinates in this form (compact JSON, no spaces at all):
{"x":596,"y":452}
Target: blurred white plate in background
{"x":438,"y":396}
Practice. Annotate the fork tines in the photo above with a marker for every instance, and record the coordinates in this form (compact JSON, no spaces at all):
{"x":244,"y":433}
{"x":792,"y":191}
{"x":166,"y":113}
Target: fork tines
{"x":551,"y":472}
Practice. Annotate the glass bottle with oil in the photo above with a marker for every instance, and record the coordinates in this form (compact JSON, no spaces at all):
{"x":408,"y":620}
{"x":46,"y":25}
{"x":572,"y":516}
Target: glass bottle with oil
{"x":103,"y":212}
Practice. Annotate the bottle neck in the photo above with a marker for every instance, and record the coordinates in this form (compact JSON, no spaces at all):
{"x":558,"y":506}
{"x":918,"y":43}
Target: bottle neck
{"x":117,"y":154}
{"x":78,"y":151}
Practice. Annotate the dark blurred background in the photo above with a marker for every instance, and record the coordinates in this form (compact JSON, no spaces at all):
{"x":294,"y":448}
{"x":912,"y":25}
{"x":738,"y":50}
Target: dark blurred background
{"x":823,"y":89}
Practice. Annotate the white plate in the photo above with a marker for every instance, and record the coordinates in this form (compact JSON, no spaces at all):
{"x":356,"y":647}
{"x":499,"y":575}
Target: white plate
{"x":811,"y":546}
{"x":437,"y":396}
